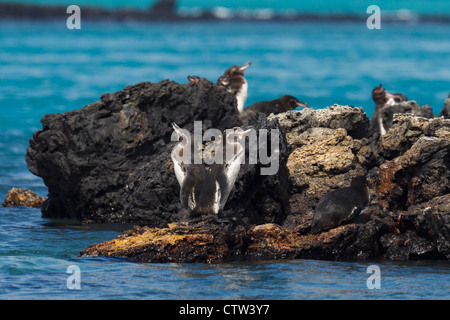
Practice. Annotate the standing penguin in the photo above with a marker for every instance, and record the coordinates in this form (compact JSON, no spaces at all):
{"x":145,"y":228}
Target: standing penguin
{"x":340,"y":205}
{"x":445,"y":112}
{"x":234,"y":153}
{"x":204,"y":189}
{"x":183,"y":153}
{"x":198,"y":186}
{"x":384,"y":99}
{"x":233,"y":80}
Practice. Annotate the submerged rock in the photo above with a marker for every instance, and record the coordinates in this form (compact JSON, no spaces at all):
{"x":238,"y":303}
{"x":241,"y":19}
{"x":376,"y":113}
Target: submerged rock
{"x":23,"y":197}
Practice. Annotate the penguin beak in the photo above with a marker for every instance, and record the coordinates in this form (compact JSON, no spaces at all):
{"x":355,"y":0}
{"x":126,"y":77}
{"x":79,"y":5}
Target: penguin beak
{"x":223,"y":80}
{"x":177,"y":129}
{"x":245,"y":66}
{"x":175,"y":126}
{"x":302,"y":104}
{"x":193,"y":78}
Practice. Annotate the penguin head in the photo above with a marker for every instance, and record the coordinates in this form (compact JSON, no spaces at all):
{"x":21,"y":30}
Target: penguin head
{"x":185,"y":143}
{"x":235,"y":135}
{"x":194,"y":79}
{"x":233,"y":142}
{"x":378,"y":93}
{"x":359,"y":182}
{"x":223,"y":81}
{"x":291,"y":102}
{"x":183,"y":134}
{"x":234,"y":71}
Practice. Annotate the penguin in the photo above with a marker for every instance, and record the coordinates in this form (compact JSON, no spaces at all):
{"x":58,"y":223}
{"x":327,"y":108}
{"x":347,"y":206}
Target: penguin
{"x":383,"y":99}
{"x":233,"y":80}
{"x":340,"y":205}
{"x":198,"y":186}
{"x":193,"y":79}
{"x":445,"y":112}
{"x":234,"y":153}
{"x":183,"y":152}
{"x":205,"y":189}
{"x":283,"y":104}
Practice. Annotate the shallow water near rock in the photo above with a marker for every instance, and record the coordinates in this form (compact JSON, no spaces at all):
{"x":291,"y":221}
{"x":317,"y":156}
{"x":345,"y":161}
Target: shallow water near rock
{"x":36,"y":253}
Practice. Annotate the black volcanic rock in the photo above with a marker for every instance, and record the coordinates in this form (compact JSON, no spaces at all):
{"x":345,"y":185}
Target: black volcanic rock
{"x":110,"y":161}
{"x":90,"y":158}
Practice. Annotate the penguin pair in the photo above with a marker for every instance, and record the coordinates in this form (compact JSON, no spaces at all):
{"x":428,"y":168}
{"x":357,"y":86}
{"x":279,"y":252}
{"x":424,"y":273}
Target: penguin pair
{"x":341,"y":205}
{"x":205,"y":189}
{"x":383,"y":99}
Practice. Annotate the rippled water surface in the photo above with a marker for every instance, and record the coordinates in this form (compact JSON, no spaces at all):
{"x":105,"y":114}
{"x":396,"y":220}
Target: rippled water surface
{"x":45,"y":68}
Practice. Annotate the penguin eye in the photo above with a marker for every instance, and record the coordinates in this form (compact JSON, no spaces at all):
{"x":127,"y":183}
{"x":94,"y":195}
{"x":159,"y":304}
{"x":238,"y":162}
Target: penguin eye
{"x":180,"y":138}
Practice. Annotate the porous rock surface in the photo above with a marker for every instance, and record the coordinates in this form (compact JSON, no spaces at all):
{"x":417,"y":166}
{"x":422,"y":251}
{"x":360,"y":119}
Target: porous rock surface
{"x":110,"y":162}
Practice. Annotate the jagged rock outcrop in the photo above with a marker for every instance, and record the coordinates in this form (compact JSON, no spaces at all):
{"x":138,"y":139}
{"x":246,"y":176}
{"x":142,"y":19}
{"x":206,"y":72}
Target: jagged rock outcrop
{"x":423,"y":234}
{"x":325,"y":146}
{"x":417,"y":162}
{"x":98,"y":159}
{"x":412,"y":225}
{"x":110,"y":161}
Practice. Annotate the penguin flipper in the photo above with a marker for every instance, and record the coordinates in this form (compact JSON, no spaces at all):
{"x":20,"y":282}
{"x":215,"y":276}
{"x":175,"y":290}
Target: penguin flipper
{"x":231,"y":194}
{"x":186,"y":190}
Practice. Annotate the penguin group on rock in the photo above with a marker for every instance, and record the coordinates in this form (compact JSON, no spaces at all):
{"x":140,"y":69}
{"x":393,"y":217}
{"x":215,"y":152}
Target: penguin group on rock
{"x":206,"y":189}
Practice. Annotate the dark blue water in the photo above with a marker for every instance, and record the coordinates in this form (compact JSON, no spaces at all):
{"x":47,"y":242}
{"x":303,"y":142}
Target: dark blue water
{"x":46,"y":68}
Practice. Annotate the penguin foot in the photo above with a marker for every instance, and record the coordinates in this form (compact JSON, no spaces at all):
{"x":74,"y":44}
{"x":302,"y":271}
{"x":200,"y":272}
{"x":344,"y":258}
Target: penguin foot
{"x":222,"y":219}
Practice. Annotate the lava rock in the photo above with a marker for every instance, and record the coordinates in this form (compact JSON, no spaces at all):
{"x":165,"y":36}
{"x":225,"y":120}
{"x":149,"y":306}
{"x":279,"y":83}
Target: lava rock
{"x":94,"y":159}
{"x":325,"y":147}
{"x":387,"y":113}
{"x":23,"y":197}
{"x":110,"y":161}
{"x":417,"y":162}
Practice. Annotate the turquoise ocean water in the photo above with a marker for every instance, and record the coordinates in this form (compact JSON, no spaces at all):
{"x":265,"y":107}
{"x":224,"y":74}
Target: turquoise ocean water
{"x":46,"y":68}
